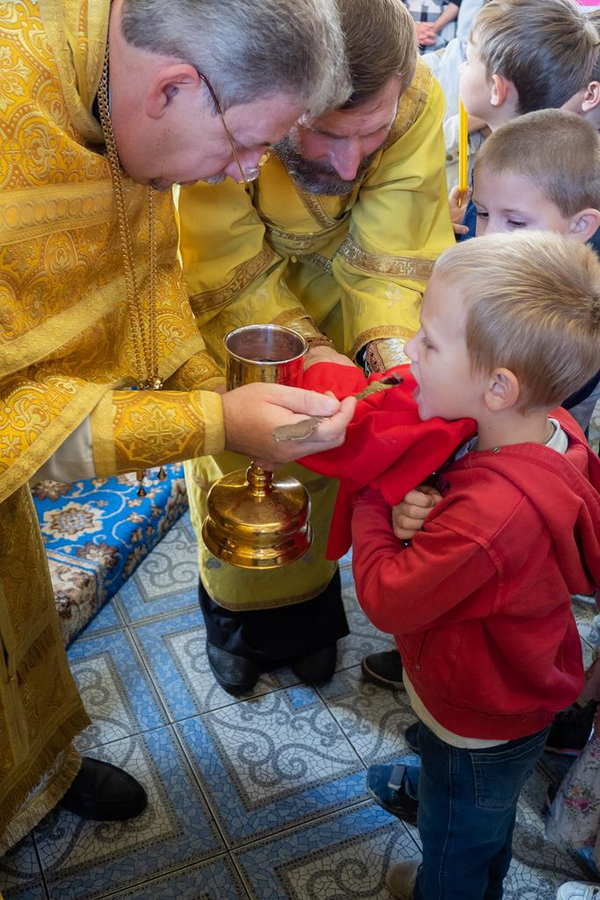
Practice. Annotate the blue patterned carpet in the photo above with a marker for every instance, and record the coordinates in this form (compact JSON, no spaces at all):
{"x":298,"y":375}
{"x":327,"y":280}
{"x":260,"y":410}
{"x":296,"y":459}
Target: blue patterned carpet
{"x":261,"y":799}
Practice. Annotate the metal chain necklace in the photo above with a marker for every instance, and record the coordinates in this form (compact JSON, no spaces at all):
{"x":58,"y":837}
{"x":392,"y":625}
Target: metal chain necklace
{"x":143,"y":328}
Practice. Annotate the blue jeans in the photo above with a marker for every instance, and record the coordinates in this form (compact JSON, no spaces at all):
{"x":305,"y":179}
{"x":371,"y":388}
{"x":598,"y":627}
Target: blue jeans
{"x":467,"y":808}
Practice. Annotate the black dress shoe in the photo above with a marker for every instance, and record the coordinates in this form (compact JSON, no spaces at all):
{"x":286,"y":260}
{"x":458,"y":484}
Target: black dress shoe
{"x":383,"y":669}
{"x":235,"y":674}
{"x":316,"y":667}
{"x":102,"y":792}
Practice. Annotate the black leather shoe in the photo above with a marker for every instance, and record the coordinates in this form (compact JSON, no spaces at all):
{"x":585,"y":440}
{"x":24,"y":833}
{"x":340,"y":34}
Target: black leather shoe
{"x":383,"y":669}
{"x":102,"y":792}
{"x":316,"y":667}
{"x":235,"y":674}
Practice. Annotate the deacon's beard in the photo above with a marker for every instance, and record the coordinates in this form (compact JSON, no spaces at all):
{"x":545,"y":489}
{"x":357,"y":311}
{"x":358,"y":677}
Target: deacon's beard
{"x":164,"y":186}
{"x":318,"y":177}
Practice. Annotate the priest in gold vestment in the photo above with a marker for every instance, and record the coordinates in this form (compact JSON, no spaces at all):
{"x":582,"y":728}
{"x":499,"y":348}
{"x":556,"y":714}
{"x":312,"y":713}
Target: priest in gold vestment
{"x":335,"y":239}
{"x":92,"y":303}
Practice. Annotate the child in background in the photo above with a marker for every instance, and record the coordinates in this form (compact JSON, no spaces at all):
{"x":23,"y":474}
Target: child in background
{"x":522,"y":56}
{"x":586,"y":102}
{"x":542,"y":171}
{"x":445,"y":65}
{"x":480,"y":600}
{"x":435,"y":21}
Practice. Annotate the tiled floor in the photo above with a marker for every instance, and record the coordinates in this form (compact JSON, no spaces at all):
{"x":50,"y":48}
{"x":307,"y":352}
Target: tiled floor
{"x":262,"y":798}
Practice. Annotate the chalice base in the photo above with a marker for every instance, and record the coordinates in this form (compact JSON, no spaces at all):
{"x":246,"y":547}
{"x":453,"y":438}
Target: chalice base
{"x":254,"y":528}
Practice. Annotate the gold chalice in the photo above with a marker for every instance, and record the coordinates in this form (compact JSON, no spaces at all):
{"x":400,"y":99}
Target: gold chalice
{"x":256,"y":520}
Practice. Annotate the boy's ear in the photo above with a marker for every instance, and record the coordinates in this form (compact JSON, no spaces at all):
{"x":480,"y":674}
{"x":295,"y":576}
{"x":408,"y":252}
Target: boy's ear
{"x":591,"y":97}
{"x":501,"y":90}
{"x":584,"y":224}
{"x":502,"y":391}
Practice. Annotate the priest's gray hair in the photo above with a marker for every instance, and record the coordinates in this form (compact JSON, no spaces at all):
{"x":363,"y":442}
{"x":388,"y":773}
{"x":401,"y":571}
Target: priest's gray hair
{"x":250,"y":49}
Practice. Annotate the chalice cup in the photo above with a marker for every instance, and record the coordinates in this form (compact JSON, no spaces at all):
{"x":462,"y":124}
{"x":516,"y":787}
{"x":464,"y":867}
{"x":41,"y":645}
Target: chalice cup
{"x":257,"y":520}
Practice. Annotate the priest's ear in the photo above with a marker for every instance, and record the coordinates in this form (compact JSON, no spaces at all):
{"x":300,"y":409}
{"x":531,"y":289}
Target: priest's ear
{"x":502,"y":391}
{"x":169,"y":84}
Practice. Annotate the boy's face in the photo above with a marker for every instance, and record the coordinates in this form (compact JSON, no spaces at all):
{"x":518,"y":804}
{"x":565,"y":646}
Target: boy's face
{"x":474,"y":88}
{"x":508,"y":201}
{"x":493,"y":100}
{"x":440,"y":362}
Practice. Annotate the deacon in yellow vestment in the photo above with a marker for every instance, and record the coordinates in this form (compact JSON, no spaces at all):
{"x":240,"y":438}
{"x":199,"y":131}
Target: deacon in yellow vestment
{"x":349,"y":270}
{"x":66,"y":353}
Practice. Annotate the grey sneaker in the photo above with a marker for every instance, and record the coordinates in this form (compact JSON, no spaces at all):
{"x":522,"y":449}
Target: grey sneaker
{"x":383,"y":669}
{"x":401,"y":878}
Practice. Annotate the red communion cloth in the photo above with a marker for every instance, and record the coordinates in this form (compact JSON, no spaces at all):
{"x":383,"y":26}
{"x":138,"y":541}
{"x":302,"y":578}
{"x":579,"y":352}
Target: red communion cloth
{"x":387,"y":447}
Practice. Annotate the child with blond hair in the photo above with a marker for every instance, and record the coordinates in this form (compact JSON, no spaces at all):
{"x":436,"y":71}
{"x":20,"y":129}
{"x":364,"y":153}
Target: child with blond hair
{"x":479,"y":600}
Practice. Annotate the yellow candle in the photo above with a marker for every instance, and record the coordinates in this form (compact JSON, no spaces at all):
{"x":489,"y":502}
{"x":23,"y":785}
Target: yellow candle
{"x":463,"y":151}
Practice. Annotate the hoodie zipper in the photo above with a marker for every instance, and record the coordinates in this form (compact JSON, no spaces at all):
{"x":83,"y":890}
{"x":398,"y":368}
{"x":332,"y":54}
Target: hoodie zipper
{"x":419,"y":654}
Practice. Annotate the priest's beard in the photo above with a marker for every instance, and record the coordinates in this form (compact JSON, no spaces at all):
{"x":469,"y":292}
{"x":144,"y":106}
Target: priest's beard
{"x":318,"y":177}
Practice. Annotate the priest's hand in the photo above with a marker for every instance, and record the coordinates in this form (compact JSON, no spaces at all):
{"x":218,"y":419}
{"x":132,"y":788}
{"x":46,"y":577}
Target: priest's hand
{"x":409,"y":515}
{"x":252,"y":412}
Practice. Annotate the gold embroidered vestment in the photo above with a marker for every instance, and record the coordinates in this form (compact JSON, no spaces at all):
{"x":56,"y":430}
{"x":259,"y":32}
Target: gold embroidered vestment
{"x":66,"y":353}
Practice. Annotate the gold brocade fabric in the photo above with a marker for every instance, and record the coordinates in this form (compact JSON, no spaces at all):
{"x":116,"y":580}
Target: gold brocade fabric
{"x":66,"y":349}
{"x":40,"y":709}
{"x":65,"y":338}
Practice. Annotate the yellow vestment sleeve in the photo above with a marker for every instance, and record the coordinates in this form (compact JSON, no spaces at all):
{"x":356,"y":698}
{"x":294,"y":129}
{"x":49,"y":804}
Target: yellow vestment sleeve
{"x":233,"y":275}
{"x":400,"y":224}
{"x":139,"y":429}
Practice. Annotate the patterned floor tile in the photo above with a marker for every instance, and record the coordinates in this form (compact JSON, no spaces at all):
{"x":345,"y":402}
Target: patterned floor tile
{"x":585,"y":610}
{"x":84,"y":860}
{"x":269,"y":763}
{"x":20,"y":873}
{"x":174,"y":651}
{"x":372,"y":719}
{"x":213,"y":880}
{"x":167,"y":581}
{"x":116,"y":689}
{"x":364,"y":638}
{"x":109,"y":619}
{"x":345,"y":855}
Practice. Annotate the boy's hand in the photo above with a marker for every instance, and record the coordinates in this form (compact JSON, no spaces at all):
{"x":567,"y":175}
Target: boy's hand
{"x":409,"y":515}
{"x":458,"y":201}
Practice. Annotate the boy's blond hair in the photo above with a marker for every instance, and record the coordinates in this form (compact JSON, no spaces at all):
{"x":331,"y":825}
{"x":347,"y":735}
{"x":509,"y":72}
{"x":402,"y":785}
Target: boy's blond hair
{"x":532,"y":305}
{"x":594,"y":17}
{"x":558,"y":151}
{"x":546,"y":48}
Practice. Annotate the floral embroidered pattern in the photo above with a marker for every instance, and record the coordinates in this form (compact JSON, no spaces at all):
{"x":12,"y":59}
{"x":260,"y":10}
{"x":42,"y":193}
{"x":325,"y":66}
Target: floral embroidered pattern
{"x":97,"y":532}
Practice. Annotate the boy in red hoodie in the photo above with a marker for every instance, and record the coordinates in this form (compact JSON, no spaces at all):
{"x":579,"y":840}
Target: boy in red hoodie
{"x":479,"y":600}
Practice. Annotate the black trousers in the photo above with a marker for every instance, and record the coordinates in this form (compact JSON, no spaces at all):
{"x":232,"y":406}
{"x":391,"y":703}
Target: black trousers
{"x":277,"y":635}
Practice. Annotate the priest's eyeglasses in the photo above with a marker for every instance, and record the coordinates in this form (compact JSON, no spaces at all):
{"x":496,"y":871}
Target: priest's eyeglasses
{"x":250,"y":174}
